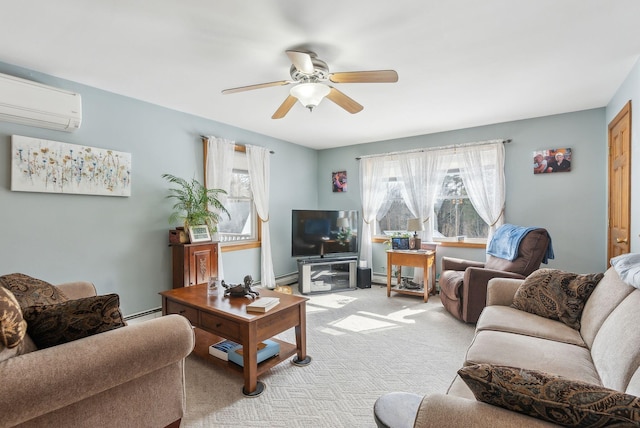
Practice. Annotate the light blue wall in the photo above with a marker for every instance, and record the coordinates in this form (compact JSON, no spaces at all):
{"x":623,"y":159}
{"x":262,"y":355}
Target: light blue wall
{"x":121,"y":244}
{"x":630,"y":91}
{"x":571,"y":206}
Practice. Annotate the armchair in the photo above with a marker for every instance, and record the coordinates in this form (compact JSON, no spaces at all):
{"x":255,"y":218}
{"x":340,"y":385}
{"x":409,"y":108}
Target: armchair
{"x":463,"y":283}
{"x":128,"y":376}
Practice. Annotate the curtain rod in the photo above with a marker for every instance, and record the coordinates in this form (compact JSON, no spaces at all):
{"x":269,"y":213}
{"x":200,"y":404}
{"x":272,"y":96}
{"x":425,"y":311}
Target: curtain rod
{"x":241,"y":145}
{"x":427,"y":149}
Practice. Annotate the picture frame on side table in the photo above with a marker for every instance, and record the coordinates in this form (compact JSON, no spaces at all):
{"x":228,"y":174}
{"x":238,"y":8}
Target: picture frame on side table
{"x":199,"y":233}
{"x":399,"y":243}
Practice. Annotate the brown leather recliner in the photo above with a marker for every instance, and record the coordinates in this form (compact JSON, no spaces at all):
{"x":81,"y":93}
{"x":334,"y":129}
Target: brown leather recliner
{"x":463,"y":283}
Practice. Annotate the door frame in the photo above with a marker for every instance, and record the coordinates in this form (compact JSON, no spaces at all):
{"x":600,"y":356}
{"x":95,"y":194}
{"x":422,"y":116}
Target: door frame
{"x":624,"y":115}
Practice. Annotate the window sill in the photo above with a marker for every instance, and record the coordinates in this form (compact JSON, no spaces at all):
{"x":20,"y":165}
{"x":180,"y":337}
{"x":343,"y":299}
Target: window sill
{"x":237,"y":246}
{"x":467,"y":243}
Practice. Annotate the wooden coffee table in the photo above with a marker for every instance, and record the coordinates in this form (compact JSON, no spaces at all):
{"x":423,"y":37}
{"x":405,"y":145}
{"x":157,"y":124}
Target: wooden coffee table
{"x":226,"y":317}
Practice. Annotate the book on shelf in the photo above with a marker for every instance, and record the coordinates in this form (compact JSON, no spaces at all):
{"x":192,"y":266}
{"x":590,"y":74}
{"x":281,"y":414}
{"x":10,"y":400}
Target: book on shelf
{"x":266,"y":350}
{"x":263,"y":304}
{"x":221,"y":349}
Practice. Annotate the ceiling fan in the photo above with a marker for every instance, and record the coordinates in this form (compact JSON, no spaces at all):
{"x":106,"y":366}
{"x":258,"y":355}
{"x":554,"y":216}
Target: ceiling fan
{"x":311,"y":77}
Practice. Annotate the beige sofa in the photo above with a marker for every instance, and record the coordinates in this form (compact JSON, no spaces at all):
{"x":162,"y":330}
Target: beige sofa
{"x":128,"y":377}
{"x":605,"y":351}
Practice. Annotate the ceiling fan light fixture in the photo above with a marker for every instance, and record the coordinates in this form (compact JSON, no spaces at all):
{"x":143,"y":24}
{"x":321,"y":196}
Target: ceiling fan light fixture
{"x":312,"y":82}
{"x":310,"y":94}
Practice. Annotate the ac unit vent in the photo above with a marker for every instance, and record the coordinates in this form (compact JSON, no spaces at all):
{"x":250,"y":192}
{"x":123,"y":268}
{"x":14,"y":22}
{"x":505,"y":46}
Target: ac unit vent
{"x":34,"y":104}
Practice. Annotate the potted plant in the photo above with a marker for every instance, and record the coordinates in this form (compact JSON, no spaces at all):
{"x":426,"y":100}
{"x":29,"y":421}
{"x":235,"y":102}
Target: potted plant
{"x":193,"y":201}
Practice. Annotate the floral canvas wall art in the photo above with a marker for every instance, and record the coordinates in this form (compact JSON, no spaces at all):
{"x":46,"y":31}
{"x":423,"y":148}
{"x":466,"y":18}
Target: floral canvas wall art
{"x":39,"y":165}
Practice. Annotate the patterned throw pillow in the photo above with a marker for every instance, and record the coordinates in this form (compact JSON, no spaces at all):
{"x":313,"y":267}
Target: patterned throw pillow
{"x":31,"y":291}
{"x":556,"y":295}
{"x":50,"y":325}
{"x":12,"y":326}
{"x":551,"y":398}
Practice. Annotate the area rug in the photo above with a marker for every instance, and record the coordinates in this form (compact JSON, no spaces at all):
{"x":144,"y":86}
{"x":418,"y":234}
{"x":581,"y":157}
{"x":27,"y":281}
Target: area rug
{"x":363,"y":345}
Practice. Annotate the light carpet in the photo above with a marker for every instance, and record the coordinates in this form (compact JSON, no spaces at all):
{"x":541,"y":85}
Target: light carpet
{"x":363,"y":345}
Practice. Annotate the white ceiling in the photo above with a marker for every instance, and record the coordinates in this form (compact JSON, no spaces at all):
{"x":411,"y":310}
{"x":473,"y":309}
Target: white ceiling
{"x":461,"y":63}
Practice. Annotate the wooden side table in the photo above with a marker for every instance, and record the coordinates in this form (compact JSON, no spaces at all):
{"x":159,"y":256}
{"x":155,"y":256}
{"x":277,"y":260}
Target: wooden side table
{"x":424,"y":259}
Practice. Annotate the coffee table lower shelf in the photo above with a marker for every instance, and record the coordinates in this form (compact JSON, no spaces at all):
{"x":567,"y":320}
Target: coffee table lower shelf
{"x":205,"y":339}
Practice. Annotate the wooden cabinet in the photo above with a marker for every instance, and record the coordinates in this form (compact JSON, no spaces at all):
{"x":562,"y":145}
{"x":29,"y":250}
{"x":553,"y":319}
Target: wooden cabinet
{"x":194,"y":263}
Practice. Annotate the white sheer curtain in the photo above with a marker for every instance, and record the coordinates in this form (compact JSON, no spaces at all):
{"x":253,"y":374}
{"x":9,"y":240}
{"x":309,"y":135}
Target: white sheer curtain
{"x":373,"y":191}
{"x":422,"y":175}
{"x":482,"y":172}
{"x":259,"y":174}
{"x":218,"y":175}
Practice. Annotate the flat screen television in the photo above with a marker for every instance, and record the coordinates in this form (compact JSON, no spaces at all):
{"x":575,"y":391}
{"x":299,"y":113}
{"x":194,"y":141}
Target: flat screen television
{"x":322,"y":233}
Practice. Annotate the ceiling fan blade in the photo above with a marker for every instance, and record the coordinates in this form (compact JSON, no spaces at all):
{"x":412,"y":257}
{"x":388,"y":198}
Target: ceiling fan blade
{"x":258,"y":86}
{"x":284,"y":107}
{"x":375,"y":76}
{"x":344,"y":101}
{"x":302,"y":61}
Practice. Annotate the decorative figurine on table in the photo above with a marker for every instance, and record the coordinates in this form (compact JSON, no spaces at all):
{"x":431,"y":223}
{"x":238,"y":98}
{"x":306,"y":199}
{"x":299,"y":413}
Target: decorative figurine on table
{"x":410,"y":285}
{"x":240,"y":290}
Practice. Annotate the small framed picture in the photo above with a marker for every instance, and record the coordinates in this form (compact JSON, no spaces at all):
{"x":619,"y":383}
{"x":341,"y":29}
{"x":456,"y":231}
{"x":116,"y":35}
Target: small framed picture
{"x":552,"y":160}
{"x":399,"y":243}
{"x":199,"y":233}
{"x":339,"y":181}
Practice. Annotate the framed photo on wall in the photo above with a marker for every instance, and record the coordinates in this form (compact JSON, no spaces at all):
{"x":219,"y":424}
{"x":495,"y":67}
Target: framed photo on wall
{"x":552,"y":160}
{"x":199,"y":233}
{"x":339,"y":181}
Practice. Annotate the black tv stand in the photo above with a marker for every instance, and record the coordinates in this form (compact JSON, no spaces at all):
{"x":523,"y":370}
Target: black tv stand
{"x":327,"y":274}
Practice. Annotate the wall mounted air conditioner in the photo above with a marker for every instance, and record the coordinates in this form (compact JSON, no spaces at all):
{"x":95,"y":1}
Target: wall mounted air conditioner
{"x":30,"y":103}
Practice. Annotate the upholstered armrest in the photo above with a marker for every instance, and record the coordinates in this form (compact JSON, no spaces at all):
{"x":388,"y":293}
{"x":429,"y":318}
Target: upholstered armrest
{"x":474,"y":292}
{"x":451,"y":263}
{"x":482,"y":276}
{"x":77,"y":289}
{"x":441,"y":410}
{"x":501,"y":291}
{"x":42,"y":381}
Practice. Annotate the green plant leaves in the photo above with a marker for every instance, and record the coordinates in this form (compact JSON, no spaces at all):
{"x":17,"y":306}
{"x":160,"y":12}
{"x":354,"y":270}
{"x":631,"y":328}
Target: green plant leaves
{"x":192,"y":202}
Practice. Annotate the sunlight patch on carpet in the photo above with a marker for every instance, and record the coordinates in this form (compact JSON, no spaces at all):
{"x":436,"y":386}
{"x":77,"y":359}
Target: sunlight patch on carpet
{"x":398,"y":316}
{"x":332,"y":331}
{"x":312,"y":309}
{"x":332,"y":301}
{"x":358,"y":324}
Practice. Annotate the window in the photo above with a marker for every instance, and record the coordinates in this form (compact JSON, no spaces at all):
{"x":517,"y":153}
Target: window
{"x":454,"y":213}
{"x":242,"y":226}
{"x":397,"y":212}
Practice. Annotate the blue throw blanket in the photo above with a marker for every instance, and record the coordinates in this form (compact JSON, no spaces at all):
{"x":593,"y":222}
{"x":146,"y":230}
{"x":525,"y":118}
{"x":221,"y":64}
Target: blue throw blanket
{"x":506,"y":241}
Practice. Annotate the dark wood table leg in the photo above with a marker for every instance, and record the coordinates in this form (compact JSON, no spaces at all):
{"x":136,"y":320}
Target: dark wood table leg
{"x":252,"y":387}
{"x":301,"y":358}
